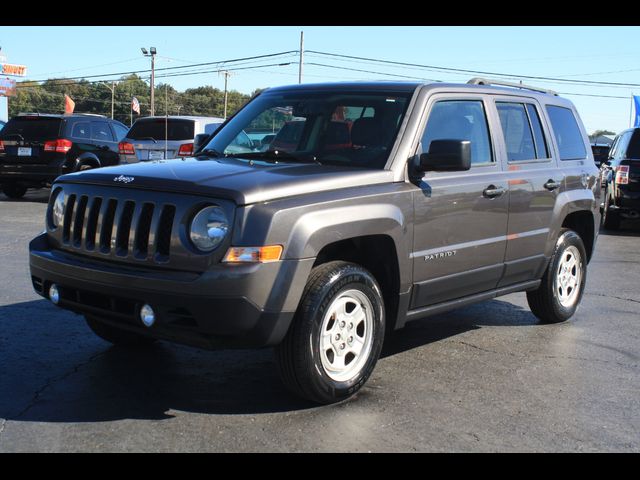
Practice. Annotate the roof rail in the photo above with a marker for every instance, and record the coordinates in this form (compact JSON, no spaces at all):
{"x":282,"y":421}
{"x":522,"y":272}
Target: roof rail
{"x":486,"y":81}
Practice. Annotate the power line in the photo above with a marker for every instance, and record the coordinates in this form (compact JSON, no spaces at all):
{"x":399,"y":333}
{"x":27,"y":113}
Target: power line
{"x":220,"y":62}
{"x":478,"y":72}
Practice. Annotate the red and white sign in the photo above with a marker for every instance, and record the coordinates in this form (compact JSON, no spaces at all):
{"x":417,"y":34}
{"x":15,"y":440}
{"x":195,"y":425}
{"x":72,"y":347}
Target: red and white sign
{"x":7,"y":87}
{"x":14,"y":70}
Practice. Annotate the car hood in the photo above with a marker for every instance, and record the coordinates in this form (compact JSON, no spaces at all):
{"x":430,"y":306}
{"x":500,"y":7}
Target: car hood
{"x":243,"y":181}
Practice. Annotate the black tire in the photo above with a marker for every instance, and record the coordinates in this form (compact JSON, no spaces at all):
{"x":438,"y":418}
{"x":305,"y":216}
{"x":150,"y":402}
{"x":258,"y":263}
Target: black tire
{"x":610,"y":219}
{"x":115,"y":335}
{"x":299,"y":355}
{"x":14,"y":190}
{"x":545,"y":302}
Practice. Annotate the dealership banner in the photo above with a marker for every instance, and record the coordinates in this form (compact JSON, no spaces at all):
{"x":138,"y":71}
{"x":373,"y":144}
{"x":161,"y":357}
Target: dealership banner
{"x":7,"y":87}
{"x":14,"y":70}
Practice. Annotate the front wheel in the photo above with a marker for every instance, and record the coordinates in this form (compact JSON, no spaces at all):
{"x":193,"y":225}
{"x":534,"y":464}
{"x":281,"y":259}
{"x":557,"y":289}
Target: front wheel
{"x":558,"y":296}
{"x":336,"y":336}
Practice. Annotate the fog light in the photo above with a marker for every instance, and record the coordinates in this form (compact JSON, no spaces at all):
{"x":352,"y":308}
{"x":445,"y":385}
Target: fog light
{"x":54,"y":294}
{"x":147,"y":315}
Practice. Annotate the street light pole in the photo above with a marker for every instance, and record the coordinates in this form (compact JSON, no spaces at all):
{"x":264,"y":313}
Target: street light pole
{"x":113,"y":94}
{"x":152,"y":53}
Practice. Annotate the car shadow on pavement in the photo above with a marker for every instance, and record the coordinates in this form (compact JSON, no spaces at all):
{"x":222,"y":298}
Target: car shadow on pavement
{"x":54,"y":369}
{"x":33,"y":196}
{"x":449,"y":324}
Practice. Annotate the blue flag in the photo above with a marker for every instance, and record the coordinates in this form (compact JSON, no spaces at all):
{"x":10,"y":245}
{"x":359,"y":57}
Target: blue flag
{"x":636,"y":104}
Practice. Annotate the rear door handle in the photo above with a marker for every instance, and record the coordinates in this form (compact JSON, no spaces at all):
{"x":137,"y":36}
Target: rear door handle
{"x":492,"y":191}
{"x":551,"y":185}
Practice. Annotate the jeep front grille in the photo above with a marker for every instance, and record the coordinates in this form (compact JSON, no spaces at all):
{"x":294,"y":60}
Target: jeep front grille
{"x":124,"y":228}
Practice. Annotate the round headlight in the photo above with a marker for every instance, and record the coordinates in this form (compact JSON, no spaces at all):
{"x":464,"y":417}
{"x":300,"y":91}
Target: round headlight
{"x":208,"y":228}
{"x":57,"y":210}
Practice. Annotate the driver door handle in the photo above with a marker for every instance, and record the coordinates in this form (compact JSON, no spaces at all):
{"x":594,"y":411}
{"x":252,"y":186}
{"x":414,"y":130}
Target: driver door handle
{"x":551,"y":185}
{"x":492,"y":191}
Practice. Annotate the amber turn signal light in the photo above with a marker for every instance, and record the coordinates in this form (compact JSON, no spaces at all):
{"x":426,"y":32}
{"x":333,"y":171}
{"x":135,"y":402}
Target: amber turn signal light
{"x":269,"y":253}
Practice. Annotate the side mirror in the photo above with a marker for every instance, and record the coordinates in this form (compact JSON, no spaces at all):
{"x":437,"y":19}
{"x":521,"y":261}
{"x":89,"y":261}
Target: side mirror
{"x":200,"y":141}
{"x":446,"y":156}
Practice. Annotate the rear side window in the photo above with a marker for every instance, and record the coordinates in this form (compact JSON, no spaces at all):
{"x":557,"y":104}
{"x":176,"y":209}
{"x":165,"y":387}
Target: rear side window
{"x":567,"y":133}
{"x":460,"y":120}
{"x":121,"y":131}
{"x":101,"y":132}
{"x":155,"y":129}
{"x":32,"y":129}
{"x":81,"y":130}
{"x":522,"y":131}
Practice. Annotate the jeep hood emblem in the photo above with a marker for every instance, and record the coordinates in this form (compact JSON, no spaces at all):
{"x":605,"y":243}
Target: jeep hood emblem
{"x":124,"y":179}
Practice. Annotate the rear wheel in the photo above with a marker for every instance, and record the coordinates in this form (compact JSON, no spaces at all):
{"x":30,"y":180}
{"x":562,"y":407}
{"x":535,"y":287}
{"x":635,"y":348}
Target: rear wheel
{"x":610,"y":219}
{"x":335,"y":339}
{"x":14,"y":190}
{"x":115,"y":335}
{"x":558,"y":296}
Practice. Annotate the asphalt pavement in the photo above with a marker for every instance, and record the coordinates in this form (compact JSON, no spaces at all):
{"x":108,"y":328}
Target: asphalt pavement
{"x":487,"y":377}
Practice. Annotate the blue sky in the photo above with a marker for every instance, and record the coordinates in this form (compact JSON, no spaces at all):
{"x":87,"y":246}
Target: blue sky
{"x":579,"y":53}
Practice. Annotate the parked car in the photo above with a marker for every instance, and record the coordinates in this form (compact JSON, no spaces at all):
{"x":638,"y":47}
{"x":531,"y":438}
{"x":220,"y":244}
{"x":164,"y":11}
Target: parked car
{"x":159,"y":138}
{"x":36,"y":148}
{"x":621,"y":178}
{"x":440,"y":196}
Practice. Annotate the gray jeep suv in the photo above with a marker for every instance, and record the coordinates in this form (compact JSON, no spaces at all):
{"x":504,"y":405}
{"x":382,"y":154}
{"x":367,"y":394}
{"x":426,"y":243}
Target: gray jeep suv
{"x":395,"y":201}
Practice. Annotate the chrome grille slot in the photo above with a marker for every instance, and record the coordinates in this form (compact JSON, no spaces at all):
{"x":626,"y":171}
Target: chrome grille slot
{"x":141,"y":243}
{"x":68,"y":216}
{"x":78,"y":221}
{"x":163,"y":235}
{"x":107,"y":225}
{"x":124,"y":228}
{"x":92,"y":223}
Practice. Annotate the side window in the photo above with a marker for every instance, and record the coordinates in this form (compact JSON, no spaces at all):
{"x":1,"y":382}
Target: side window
{"x":522,"y":131}
{"x":120,"y":130}
{"x":566,"y":133}
{"x":541,"y":144}
{"x":100,"y":131}
{"x":460,"y":120}
{"x":517,"y":131}
{"x":81,"y":130}
{"x":621,"y":148}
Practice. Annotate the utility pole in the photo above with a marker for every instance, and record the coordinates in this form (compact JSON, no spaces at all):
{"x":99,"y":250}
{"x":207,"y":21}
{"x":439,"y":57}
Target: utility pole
{"x":301,"y":62}
{"x":151,"y":53}
{"x":226,"y":74}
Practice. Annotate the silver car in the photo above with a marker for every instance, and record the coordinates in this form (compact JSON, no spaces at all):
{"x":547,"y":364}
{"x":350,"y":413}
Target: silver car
{"x":158,"y":138}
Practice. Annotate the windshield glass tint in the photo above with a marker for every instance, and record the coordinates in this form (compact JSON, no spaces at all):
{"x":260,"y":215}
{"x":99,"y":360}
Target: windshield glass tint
{"x":155,"y":129}
{"x":337,"y":128}
{"x":32,"y":129}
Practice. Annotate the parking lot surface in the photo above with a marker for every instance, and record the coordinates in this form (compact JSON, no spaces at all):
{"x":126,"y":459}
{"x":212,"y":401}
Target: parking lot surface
{"x":487,"y":377}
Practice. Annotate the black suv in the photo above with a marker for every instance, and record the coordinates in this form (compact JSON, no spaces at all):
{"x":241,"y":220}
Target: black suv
{"x":35,"y":149}
{"x":621,"y":180}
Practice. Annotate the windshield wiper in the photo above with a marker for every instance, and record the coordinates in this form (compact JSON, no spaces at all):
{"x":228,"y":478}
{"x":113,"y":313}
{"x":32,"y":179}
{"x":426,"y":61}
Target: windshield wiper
{"x":210,"y":152}
{"x":147,"y":138}
{"x":278,"y":155}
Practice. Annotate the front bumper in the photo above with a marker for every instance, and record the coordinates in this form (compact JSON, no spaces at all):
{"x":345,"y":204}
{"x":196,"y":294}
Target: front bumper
{"x":228,"y":306}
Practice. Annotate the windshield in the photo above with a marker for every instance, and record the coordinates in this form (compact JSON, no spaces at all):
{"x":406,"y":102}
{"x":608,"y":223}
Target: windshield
{"x":154,"y":128}
{"x":337,"y":128}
